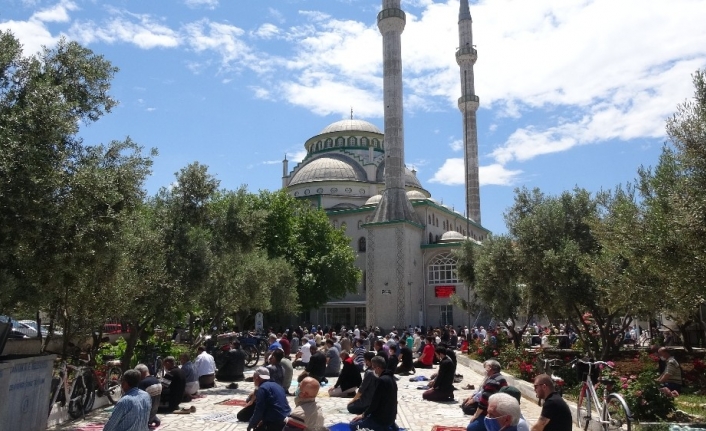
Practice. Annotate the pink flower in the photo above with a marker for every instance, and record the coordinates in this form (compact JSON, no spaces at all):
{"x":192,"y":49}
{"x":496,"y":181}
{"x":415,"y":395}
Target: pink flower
{"x":611,"y":364}
{"x":623,"y":379}
{"x":625,"y":386}
{"x":633,"y":377}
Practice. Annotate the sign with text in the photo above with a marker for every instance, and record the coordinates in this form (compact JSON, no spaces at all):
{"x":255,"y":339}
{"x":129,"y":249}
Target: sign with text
{"x":444,"y":291}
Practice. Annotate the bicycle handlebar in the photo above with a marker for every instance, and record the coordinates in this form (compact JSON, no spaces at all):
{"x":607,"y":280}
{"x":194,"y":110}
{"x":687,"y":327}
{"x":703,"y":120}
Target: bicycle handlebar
{"x":590,"y":364}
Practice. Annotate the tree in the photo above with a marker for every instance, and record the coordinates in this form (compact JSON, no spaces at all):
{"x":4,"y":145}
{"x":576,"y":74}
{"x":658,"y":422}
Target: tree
{"x":320,"y":254}
{"x":42,"y":100}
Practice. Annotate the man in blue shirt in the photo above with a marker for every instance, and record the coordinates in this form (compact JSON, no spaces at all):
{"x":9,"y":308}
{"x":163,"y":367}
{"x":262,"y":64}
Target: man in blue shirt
{"x":132,"y":412}
{"x":271,"y":407}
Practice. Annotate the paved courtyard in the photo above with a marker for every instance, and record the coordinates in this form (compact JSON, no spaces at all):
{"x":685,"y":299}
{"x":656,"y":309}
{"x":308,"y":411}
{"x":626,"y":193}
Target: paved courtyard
{"x":413,"y":413}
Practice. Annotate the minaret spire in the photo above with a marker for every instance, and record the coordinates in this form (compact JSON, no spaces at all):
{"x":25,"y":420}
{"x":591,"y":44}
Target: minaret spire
{"x":466,"y":56}
{"x":394,"y":205}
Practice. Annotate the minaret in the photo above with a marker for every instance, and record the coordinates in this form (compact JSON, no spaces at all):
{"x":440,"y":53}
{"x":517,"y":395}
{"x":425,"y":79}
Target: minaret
{"x":466,"y":57}
{"x":395,"y":233}
{"x":394,"y":204}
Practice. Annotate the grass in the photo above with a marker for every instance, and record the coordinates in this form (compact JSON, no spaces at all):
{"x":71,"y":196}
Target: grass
{"x":692,"y":404}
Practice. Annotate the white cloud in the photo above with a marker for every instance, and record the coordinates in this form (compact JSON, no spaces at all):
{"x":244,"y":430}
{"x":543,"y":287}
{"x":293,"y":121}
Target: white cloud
{"x":208,"y":4}
{"x":266,"y":31}
{"x":452,"y":173}
{"x":57,"y":13}
{"x":261,"y":93}
{"x":141,"y":30}
{"x":456,"y":145}
{"x":296,"y":156}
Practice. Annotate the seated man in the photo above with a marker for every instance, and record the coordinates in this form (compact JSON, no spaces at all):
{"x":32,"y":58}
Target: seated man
{"x":358,"y":354}
{"x":276,"y":369}
{"x":442,"y":388}
{"x":302,"y":357}
{"x":426,"y":360}
{"x":153,"y":387}
{"x":522,"y":425}
{"x":173,"y":386}
{"x":503,"y":413}
{"x":205,"y":368}
{"x":392,"y":360}
{"x":364,"y":396}
{"x":272,"y":345}
{"x":271,"y":407}
{"x":307,"y":415}
{"x":349,"y":380}
{"x":477,"y":404}
{"x":333,"y":360}
{"x":382,"y":411}
{"x":192,"y":380}
{"x":132,"y":411}
{"x":316,"y":367}
{"x":233,"y":365}
{"x":670,"y":380}
{"x":406,"y":366}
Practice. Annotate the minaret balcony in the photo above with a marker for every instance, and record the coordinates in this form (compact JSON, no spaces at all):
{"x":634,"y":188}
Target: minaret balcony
{"x":469,"y":101}
{"x":467,"y":52}
{"x":392,"y":13}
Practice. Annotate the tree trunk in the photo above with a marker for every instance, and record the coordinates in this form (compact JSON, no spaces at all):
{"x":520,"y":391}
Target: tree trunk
{"x":132,"y":340}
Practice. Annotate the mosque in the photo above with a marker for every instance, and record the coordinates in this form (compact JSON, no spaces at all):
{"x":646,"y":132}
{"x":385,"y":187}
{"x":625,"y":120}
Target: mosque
{"x":403,"y":237}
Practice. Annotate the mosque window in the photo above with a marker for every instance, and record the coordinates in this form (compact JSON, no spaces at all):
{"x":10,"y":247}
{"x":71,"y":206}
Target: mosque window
{"x":431,"y":238}
{"x":376,"y":143}
{"x":344,"y":225}
{"x":319,"y":145}
{"x":361,"y":244}
{"x":442,"y":269}
{"x":364,"y":141}
{"x":436,"y":238}
{"x":360,"y":224}
{"x":340,"y":141}
{"x":437,"y":223}
{"x":352,"y":141}
{"x":429,"y":218}
{"x":335,"y":224}
{"x":329,"y":143}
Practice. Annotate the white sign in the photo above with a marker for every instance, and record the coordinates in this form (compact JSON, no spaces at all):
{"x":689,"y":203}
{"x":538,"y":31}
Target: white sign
{"x":259,"y":322}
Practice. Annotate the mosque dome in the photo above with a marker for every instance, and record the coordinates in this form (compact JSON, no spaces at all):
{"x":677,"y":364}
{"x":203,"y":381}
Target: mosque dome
{"x":415,"y":195}
{"x":410,"y":180}
{"x":452,"y":236}
{"x":350,"y":125}
{"x":373,"y":200}
{"x":329,"y":168}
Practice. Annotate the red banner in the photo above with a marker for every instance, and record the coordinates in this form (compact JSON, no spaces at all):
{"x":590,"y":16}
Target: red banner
{"x":444,"y":291}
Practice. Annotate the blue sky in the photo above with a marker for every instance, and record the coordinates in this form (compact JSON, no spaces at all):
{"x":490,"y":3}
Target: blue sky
{"x":573,"y":92}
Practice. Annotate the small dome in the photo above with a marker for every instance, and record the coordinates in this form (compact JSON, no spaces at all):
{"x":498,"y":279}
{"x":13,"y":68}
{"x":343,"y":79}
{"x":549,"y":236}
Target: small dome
{"x":350,"y":125}
{"x":452,"y":236}
{"x":415,"y":195}
{"x":373,"y":200}
{"x":331,"y":168}
{"x":410,"y":180}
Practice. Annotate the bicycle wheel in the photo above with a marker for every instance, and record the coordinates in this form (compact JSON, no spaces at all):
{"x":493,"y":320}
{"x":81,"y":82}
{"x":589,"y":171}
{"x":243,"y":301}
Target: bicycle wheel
{"x":111,"y":384}
{"x":583,"y":408}
{"x":80,"y":398}
{"x":252,"y":355}
{"x":55,"y":383}
{"x":616,"y":414}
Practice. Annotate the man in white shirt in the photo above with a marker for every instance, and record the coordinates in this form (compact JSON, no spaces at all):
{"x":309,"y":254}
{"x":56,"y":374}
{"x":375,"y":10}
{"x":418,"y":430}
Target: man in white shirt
{"x":302,"y":358}
{"x":205,"y":369}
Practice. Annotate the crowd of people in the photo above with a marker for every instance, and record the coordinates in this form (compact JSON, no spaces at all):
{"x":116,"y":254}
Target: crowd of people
{"x":361,"y":366}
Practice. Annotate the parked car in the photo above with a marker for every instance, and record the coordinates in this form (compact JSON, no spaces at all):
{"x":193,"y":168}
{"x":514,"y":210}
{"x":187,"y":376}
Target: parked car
{"x":45,"y":328}
{"x":19,"y":330}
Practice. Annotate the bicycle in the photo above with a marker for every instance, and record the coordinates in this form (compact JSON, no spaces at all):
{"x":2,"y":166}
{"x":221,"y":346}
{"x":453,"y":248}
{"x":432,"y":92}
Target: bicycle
{"x":612,"y":413}
{"x":548,"y":366}
{"x":79,"y":395}
{"x":108,"y":378}
{"x":153,"y":361}
{"x":252,"y":346}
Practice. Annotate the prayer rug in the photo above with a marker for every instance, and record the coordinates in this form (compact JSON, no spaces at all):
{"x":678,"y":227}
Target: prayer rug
{"x":447,"y":428}
{"x":233,"y":402}
{"x":220,"y":417}
{"x":90,"y":427}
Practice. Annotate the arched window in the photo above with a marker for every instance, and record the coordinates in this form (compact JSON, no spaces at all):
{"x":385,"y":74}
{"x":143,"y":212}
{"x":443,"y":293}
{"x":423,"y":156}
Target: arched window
{"x":344,"y":225}
{"x":335,"y":224}
{"x":329,"y":143}
{"x":364,"y":141}
{"x":361,"y":244}
{"x":339,"y":141}
{"x":442,"y":269}
{"x":431,"y":238}
{"x":429,"y":218}
{"x":436,"y":238}
{"x":360,"y":224}
{"x":352,"y":141}
{"x":376,"y":143}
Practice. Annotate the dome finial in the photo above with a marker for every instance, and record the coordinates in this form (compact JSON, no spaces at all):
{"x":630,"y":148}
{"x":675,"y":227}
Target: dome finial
{"x":351,"y":112}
